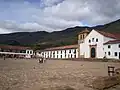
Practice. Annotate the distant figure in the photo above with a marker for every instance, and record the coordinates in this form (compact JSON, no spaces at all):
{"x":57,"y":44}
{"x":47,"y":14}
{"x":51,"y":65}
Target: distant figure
{"x":34,"y":67}
{"x":44,"y":59}
{"x":4,"y":57}
{"x":41,"y":60}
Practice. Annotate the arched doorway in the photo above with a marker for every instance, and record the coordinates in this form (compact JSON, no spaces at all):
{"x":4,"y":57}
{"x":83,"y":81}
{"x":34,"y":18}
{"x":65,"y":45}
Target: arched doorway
{"x":93,"y":52}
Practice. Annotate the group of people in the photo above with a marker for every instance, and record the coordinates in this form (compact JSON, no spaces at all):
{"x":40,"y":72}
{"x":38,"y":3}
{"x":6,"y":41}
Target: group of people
{"x":42,"y":60}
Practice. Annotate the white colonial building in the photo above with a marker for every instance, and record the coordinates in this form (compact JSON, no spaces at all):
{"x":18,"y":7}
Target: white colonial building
{"x":70,"y":51}
{"x":97,"y":44}
{"x":91,"y":44}
{"x":15,"y":51}
{"x":112,"y":49}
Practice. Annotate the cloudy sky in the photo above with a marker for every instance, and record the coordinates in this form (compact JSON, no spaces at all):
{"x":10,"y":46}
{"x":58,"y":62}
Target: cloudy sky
{"x":54,"y":15}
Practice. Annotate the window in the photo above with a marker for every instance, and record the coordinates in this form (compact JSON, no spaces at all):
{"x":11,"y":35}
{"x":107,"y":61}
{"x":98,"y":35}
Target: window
{"x":97,"y":40}
{"x":109,"y":46}
{"x":92,"y":39}
{"x":61,"y":56}
{"x":65,"y":55}
{"x":89,"y":41}
{"x":65,"y":51}
{"x":31,"y":52}
{"x":27,"y":52}
{"x":115,"y":53}
{"x":109,"y":53}
{"x":53,"y":54}
{"x":74,"y":56}
{"x":80,"y":36}
{"x":83,"y":36}
{"x":119,"y":45}
{"x":69,"y":51}
{"x":74,"y":51}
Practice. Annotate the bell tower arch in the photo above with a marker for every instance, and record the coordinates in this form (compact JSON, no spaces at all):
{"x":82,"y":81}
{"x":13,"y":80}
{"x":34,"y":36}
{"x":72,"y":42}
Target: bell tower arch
{"x":81,"y":36}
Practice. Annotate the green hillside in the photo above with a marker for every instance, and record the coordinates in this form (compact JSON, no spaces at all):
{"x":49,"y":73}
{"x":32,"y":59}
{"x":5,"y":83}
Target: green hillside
{"x":45,"y":39}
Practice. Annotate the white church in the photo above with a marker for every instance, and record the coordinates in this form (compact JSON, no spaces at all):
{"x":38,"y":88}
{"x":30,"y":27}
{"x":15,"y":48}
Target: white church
{"x":94,"y":44}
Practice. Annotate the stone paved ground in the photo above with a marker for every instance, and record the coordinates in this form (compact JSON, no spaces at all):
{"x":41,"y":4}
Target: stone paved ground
{"x":29,"y":74}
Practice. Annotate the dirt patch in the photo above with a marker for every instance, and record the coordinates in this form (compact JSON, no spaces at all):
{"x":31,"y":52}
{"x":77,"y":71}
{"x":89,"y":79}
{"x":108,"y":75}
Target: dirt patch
{"x":59,"y":88}
{"x":101,"y":83}
{"x":29,"y":74}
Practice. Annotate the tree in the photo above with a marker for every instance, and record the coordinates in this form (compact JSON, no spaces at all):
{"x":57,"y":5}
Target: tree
{"x":36,"y":47}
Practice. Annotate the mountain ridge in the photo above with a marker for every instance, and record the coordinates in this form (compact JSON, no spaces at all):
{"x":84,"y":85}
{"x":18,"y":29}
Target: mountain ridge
{"x":56,"y":38}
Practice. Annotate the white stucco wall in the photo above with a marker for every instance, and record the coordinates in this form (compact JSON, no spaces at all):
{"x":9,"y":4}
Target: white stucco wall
{"x":61,"y":53}
{"x":113,"y":48}
{"x":29,"y":53}
{"x":106,"y":39}
{"x":85,"y":47}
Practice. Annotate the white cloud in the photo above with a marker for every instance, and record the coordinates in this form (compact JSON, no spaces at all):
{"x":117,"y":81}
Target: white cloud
{"x":56,"y":14}
{"x":69,"y":10}
{"x":48,"y":3}
{"x":93,"y":12}
{"x":4,"y":31}
{"x":34,"y":27}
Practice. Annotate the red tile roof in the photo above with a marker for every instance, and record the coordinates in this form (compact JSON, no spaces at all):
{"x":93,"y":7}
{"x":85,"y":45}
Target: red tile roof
{"x":110,"y":35}
{"x":112,"y":42}
{"x":62,"y":47}
{"x":14,"y":47}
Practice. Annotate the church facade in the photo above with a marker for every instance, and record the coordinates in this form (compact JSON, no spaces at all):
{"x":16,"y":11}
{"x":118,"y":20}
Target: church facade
{"x":99,"y":44}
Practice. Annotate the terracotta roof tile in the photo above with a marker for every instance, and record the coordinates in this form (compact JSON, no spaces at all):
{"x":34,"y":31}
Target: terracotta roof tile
{"x":62,"y":47}
{"x":112,"y":42}
{"x":110,"y":35}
